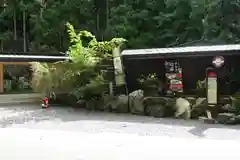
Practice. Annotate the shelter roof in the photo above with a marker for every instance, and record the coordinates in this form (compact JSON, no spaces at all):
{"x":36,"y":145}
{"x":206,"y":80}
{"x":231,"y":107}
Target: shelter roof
{"x":178,"y":52}
{"x":30,"y":57}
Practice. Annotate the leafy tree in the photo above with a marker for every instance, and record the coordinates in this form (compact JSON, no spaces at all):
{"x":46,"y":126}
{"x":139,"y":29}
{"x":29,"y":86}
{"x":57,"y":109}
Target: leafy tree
{"x":143,"y":23}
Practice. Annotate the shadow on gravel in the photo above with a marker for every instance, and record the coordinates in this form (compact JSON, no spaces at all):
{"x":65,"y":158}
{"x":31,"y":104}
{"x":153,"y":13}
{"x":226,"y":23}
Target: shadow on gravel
{"x":32,"y":113}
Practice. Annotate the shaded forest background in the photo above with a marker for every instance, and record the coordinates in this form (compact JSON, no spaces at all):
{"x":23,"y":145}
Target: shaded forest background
{"x":39,"y":25}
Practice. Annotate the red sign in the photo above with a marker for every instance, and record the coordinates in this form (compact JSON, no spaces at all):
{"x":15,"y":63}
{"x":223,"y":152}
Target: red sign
{"x":212,"y":75}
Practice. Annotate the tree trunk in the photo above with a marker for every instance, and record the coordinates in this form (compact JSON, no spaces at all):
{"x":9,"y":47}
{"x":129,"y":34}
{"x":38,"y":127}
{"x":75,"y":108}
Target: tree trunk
{"x":15,"y":25}
{"x":24,"y":32}
{"x":15,"y":30}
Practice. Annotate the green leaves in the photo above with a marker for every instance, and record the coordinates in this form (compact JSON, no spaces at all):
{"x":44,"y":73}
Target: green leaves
{"x":143,"y":23}
{"x":83,"y":75}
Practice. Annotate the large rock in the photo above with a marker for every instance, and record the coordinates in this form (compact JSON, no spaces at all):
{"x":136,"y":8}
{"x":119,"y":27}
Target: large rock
{"x":136,"y":102}
{"x":157,"y":110}
{"x":236,"y":120}
{"x":226,"y":118}
{"x":235,"y":106}
{"x":191,"y":100}
{"x":183,"y":108}
{"x":158,"y":106}
{"x":199,"y":108}
{"x":95,"y":104}
{"x":110,"y":103}
{"x":80,"y":104}
{"x":122,"y":104}
{"x":116,"y":103}
{"x":228,"y":108}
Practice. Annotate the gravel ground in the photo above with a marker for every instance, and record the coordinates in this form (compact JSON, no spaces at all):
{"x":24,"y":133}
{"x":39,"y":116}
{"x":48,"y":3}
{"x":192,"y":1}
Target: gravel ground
{"x":55,"y":118}
{"x":64,"y":133}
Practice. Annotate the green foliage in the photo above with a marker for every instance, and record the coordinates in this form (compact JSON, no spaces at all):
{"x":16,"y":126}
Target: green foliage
{"x":144,"y":23}
{"x":149,"y":78}
{"x":201,"y":84}
{"x":82,"y":76}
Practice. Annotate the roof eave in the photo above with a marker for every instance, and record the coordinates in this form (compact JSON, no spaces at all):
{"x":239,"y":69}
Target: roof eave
{"x":182,"y":55}
{"x":30,"y":58}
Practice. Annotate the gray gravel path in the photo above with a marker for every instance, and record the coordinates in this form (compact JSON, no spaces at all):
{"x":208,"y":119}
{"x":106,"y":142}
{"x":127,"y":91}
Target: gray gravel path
{"x":33,"y":117}
{"x":29,"y":132}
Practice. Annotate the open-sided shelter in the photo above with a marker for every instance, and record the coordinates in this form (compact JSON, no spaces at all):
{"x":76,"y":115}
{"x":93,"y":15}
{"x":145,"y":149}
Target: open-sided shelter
{"x":192,"y":59}
{"x":24,"y":59}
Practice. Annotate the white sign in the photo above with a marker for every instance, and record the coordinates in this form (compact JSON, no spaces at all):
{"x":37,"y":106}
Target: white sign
{"x":218,"y":61}
{"x":212,"y":90}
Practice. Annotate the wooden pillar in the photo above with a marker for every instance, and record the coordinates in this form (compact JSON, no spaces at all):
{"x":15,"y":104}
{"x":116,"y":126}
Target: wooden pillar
{"x":1,"y":78}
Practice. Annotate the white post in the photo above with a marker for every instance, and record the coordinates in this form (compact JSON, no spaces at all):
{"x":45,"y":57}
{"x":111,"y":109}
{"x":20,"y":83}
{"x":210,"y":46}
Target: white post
{"x":117,"y":62}
{"x":110,"y":88}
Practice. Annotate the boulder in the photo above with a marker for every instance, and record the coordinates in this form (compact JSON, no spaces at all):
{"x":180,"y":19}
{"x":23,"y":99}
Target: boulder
{"x":183,"y":108}
{"x":157,"y":106}
{"x":110,"y":103}
{"x":235,"y":105}
{"x":122,"y":104}
{"x":80,"y":104}
{"x":207,"y":120}
{"x":136,"y":102}
{"x":157,"y":110}
{"x":191,"y":100}
{"x":226,"y":118}
{"x":233,"y":120}
{"x":228,"y":108}
{"x":170,"y":107}
{"x":99,"y":105}
{"x":116,"y":103}
{"x":95,"y":104}
{"x":199,"y":108}
{"x":236,"y":120}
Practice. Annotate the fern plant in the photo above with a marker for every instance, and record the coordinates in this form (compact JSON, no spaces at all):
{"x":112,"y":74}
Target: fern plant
{"x":82,"y":76}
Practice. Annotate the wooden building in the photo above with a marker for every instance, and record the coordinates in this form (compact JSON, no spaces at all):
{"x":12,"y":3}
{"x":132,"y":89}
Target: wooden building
{"x":193,"y":59}
{"x":24,"y":59}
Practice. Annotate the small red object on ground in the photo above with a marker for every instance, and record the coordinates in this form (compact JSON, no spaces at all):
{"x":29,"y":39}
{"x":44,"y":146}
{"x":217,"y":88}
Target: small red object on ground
{"x":45,"y":102}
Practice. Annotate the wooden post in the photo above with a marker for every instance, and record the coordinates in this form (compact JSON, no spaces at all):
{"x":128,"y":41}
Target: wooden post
{"x":1,"y":78}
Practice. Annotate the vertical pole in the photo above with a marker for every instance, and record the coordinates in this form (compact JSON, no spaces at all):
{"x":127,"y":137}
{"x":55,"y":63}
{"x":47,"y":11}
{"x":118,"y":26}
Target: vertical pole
{"x":1,"y":78}
{"x":15,"y":25}
{"x":24,"y":32}
{"x":118,"y":68}
{"x":107,"y":16}
{"x":15,"y":30}
{"x":111,"y":89}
